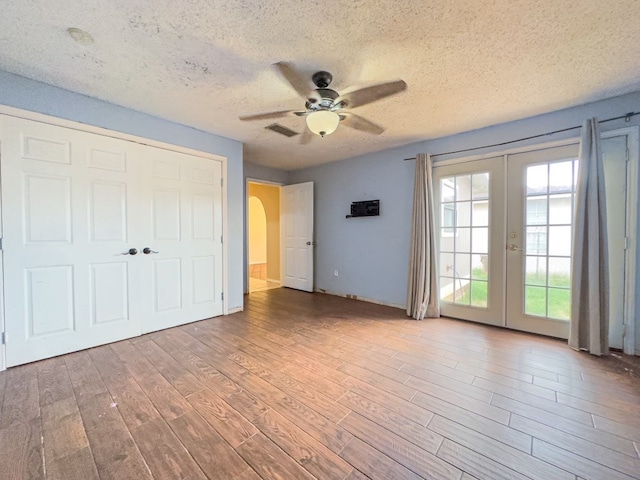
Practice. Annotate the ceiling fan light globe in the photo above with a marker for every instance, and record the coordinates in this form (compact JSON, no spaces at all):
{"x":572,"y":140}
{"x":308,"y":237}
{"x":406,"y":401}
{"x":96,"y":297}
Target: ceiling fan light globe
{"x":323,"y":122}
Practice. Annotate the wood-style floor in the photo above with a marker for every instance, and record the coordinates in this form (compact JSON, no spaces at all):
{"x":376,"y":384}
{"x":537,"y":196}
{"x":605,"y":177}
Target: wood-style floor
{"x":302,"y":386}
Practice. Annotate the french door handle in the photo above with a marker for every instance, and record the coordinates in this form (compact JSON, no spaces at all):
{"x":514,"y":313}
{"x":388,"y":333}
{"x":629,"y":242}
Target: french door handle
{"x":147,"y":251}
{"x":131,"y":251}
{"x":514,"y":248}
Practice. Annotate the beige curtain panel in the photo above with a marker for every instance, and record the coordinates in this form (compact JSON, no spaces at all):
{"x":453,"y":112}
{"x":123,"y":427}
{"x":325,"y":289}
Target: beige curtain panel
{"x":590,"y":269}
{"x":422,"y":290}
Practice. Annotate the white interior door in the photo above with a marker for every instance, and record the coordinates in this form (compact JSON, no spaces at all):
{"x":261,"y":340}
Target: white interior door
{"x":68,"y":216}
{"x":471,"y":232}
{"x":296,"y":218}
{"x":182,"y":220}
{"x":103,"y":239}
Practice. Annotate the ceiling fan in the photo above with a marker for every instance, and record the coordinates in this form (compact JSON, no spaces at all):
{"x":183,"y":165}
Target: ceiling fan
{"x":324,"y":107}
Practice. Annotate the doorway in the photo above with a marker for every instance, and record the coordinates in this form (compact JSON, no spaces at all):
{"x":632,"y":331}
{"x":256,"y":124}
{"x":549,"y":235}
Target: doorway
{"x":263,"y":236}
{"x":505,"y":237}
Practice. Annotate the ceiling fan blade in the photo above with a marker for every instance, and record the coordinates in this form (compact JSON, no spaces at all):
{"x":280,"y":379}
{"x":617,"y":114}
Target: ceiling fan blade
{"x":266,"y":116}
{"x":358,"y":123}
{"x":371,"y":94}
{"x":297,"y":81}
{"x":307,"y":136}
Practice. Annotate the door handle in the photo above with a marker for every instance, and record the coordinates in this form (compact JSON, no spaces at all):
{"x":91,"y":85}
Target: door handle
{"x":514,"y":248}
{"x":147,"y":251}
{"x":132,"y":251}
{"x":311,"y":243}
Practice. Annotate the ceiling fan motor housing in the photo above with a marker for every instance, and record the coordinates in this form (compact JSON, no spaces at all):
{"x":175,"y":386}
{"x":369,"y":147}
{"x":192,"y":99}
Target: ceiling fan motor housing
{"x":322,"y":79}
{"x":327,"y":97}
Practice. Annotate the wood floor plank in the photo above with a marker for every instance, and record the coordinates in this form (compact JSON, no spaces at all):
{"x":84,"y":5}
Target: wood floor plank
{"x":21,"y":456}
{"x":116,"y":454}
{"x":356,"y":475}
{"x":232,"y":426}
{"x":383,"y":383}
{"x":23,"y":404}
{"x":164,"y":397}
{"x":616,"y":398}
{"x":53,"y":381}
{"x":397,"y":405}
{"x":584,"y":467}
{"x":270,"y":461}
{"x":407,"y":428}
{"x":315,"y":424}
{"x":181,"y":379}
{"x":421,"y":460}
{"x":425,"y":398}
{"x":316,"y":381}
{"x":610,"y":412}
{"x":498,"y":452}
{"x":63,"y":430}
{"x":432,"y":383}
{"x":3,"y":383}
{"x":243,"y":401}
{"x":134,"y":406}
{"x":475,"y":464}
{"x":310,"y":397}
{"x":616,"y":428}
{"x":514,"y":388}
{"x":605,"y":456}
{"x":374,"y":464}
{"x":317,"y":459}
{"x":78,"y":465}
{"x":213,"y":454}
{"x":165,"y":456}
{"x":85,"y":379}
{"x":419,"y":364}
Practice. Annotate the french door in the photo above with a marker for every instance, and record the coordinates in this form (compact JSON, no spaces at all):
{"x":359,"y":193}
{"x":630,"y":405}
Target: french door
{"x":540,"y":197}
{"x":471,"y":232}
{"x":505,"y":237}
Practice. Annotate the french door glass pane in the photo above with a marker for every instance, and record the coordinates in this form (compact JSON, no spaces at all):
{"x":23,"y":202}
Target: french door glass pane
{"x":464,"y":239}
{"x":549,"y":213}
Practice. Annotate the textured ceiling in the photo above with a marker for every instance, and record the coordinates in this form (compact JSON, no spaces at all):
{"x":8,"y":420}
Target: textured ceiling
{"x":467,"y":63}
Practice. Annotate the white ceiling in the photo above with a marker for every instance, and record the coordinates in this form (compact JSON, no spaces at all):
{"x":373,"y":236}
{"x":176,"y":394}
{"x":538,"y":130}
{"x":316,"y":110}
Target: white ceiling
{"x":467,"y":63}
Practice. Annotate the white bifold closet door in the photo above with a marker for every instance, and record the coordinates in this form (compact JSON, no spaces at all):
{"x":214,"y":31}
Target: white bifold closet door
{"x":79,"y":211}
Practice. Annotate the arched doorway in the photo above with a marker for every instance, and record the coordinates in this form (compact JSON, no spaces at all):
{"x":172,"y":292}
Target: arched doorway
{"x":263,"y":237}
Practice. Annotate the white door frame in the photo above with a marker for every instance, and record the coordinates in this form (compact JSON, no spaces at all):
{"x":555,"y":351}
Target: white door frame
{"x":632,"y":329}
{"x":633,"y":146}
{"x":247,"y":181}
{"x":60,"y":122}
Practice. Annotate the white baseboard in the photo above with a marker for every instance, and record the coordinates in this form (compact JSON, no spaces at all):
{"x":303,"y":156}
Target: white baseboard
{"x":273,"y":281}
{"x":362,"y":299}
{"x":235,"y":310}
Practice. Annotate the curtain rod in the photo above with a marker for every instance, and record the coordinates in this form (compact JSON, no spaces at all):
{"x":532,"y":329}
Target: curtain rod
{"x":626,"y":116}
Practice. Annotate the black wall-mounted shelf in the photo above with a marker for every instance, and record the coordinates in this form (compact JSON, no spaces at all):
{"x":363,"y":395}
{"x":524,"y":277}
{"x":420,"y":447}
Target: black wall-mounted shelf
{"x":367,"y":208}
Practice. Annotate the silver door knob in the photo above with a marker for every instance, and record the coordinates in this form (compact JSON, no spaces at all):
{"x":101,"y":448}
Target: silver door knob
{"x":514,"y":248}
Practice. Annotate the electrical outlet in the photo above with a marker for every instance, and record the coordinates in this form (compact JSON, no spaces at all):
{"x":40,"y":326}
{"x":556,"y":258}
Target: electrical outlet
{"x":335,"y":273}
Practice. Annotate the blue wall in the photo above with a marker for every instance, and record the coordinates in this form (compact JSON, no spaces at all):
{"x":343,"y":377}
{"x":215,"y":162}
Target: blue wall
{"x":371,"y":254}
{"x":20,"y":92}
